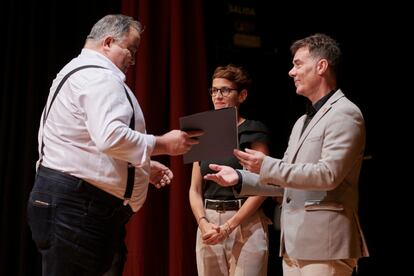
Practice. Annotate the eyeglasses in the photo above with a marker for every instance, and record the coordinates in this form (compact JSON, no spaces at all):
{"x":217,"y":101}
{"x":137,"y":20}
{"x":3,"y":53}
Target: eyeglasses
{"x":224,"y":91}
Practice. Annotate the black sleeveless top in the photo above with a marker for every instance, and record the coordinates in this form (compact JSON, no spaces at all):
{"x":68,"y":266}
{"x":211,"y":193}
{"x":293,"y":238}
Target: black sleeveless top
{"x":249,"y":131}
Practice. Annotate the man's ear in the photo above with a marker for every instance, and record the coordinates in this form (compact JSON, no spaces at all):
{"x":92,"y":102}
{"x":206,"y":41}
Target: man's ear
{"x":107,"y":42}
{"x":322,"y":66}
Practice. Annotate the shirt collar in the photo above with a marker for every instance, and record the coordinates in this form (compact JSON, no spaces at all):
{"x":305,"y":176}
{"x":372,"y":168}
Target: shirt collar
{"x":312,"y":109}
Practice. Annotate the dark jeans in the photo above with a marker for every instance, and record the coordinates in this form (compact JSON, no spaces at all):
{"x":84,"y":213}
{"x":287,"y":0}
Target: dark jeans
{"x":77,"y":227}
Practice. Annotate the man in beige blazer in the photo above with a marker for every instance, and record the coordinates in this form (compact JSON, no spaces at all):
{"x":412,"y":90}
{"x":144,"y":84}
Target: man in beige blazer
{"x":318,"y":175}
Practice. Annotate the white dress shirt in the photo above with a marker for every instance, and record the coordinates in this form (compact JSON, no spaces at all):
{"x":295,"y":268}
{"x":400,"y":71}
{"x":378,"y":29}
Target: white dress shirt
{"x":87,"y":131}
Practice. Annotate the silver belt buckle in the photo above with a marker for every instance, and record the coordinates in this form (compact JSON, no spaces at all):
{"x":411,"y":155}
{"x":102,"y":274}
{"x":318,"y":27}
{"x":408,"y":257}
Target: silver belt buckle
{"x":220,"y":207}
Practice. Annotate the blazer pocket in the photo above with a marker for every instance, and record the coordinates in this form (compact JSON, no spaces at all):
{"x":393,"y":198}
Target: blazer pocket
{"x":313,"y":139}
{"x":323,"y":206}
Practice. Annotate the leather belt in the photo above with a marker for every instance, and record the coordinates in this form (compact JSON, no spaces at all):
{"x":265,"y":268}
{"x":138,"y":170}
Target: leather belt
{"x":85,"y":189}
{"x":223,"y":205}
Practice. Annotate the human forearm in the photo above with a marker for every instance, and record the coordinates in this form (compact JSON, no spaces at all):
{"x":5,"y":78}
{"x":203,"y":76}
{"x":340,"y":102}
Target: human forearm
{"x":250,"y":206}
{"x":320,"y":176}
{"x":126,"y":144}
{"x":197,"y":206}
{"x":251,"y":186}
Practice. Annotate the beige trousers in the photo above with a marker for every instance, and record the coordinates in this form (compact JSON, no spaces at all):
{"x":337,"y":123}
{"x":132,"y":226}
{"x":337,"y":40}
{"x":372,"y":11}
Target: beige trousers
{"x":244,"y":252}
{"x":294,"y":267}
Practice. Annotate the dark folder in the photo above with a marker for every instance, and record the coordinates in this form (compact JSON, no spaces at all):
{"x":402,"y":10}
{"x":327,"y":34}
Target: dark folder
{"x":220,"y":134}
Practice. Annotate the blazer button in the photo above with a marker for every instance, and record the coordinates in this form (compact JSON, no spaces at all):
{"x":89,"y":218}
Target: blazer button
{"x":288,"y":199}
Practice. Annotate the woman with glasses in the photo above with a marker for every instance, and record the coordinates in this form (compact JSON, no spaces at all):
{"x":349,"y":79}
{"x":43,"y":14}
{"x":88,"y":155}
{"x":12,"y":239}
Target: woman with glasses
{"x":232,"y":232}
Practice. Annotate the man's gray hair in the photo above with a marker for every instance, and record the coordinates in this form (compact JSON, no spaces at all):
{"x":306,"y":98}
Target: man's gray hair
{"x":115,"y":25}
{"x":322,"y":46}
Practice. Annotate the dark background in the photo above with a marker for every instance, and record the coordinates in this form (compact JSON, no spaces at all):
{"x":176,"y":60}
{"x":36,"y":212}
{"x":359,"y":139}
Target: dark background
{"x":39,"y":37}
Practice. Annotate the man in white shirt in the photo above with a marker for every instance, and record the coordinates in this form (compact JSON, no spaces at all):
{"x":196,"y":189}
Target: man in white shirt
{"x":92,"y":138}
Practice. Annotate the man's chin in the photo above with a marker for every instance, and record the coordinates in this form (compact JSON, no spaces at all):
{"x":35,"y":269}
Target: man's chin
{"x":299,"y":91}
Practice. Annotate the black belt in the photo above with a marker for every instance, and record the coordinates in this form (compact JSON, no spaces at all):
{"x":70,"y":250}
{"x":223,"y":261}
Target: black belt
{"x":84,"y":187}
{"x":223,"y":205}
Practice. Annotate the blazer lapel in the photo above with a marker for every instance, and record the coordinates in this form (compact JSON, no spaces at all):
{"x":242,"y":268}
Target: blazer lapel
{"x":321,"y":112}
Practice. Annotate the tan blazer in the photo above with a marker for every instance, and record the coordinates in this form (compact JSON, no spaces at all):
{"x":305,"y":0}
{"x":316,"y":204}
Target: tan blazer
{"x":319,"y":173}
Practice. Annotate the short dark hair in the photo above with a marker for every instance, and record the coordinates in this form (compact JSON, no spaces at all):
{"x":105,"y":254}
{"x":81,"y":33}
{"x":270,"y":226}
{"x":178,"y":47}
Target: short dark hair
{"x":322,"y":46}
{"x":235,"y":74}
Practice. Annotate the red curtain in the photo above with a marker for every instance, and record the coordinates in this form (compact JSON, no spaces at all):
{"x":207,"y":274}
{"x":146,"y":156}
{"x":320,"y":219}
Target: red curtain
{"x":169,"y":80}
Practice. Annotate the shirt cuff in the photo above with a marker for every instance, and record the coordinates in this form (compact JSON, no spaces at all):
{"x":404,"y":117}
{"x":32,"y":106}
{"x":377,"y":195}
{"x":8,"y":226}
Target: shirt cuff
{"x":151,"y":143}
{"x":239,"y":184}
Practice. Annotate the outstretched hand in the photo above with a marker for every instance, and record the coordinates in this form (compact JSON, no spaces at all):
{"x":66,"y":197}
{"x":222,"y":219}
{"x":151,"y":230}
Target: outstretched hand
{"x":160,"y":175}
{"x":225,"y":176}
{"x":251,"y":160}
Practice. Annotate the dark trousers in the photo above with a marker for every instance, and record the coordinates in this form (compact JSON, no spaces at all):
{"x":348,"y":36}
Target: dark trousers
{"x":78,"y":228}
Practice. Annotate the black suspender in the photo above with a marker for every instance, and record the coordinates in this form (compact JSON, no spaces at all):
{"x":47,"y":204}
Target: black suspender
{"x":46,"y":113}
{"x":131,"y":168}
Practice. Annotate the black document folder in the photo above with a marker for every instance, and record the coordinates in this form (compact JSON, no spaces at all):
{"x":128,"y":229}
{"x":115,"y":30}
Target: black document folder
{"x":220,"y":134}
